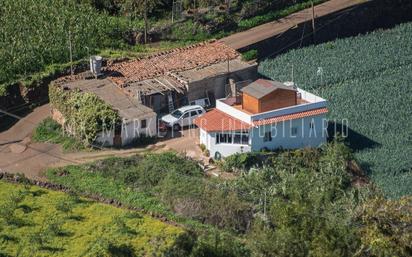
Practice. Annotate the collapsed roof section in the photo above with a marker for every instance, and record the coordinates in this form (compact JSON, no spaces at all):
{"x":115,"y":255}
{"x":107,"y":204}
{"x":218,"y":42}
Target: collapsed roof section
{"x":162,"y":71}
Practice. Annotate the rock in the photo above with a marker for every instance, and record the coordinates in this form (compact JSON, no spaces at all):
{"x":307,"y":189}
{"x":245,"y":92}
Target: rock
{"x":18,"y":148}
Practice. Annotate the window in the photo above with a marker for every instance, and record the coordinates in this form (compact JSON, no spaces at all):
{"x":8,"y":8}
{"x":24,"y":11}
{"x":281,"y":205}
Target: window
{"x":143,"y":124}
{"x":245,"y":139}
{"x":223,"y":138}
{"x":176,"y":114}
{"x":193,"y":113}
{"x":294,"y":131}
{"x":268,"y":136}
{"x":186,"y":115}
{"x":235,"y":138}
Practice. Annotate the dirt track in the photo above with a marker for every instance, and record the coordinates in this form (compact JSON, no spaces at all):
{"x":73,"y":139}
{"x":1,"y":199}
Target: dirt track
{"x":271,"y":29}
{"x":19,"y":155}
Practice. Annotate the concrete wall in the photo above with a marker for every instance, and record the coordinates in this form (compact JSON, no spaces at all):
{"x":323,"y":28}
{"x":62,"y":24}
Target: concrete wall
{"x":130,"y":131}
{"x":209,"y":140}
{"x":306,"y":136}
{"x":282,"y":137}
{"x":217,"y":84}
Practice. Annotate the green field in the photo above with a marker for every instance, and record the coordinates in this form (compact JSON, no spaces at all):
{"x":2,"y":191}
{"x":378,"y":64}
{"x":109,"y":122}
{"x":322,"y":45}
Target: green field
{"x":39,"y":222}
{"x":367,"y":81}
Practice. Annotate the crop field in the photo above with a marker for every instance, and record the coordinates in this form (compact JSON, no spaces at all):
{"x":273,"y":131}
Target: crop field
{"x":42,"y":222}
{"x":367,"y":81}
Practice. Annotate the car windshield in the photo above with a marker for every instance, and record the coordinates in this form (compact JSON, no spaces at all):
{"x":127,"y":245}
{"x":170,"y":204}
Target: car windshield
{"x":176,"y":114}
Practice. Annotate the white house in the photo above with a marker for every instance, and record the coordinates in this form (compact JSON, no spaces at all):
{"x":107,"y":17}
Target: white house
{"x":137,"y":119}
{"x":265,"y":115}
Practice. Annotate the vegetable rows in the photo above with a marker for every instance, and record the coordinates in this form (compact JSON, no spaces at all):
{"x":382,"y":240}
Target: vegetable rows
{"x":367,"y":80}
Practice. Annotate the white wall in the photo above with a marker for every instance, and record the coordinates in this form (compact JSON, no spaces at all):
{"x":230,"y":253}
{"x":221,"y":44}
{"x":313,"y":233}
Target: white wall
{"x":220,"y":105}
{"x":105,"y":138}
{"x":282,"y":138}
{"x":224,"y":149}
{"x":130,"y":130}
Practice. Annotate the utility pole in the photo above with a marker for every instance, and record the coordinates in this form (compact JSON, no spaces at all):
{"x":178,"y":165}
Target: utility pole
{"x":173,"y":9}
{"x":145,"y":21}
{"x":70,"y":52}
{"x":313,"y":22}
{"x":264,"y":206}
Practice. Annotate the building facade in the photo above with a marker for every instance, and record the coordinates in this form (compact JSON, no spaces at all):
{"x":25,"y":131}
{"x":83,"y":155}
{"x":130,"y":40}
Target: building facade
{"x":265,"y":115}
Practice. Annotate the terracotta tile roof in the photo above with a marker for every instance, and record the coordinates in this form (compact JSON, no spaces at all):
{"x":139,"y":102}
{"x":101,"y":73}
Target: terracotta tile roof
{"x":216,"y":120}
{"x":292,"y":116}
{"x":176,"y":60}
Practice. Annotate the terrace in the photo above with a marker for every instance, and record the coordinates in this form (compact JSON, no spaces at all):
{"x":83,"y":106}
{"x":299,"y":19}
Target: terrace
{"x":305,"y":102}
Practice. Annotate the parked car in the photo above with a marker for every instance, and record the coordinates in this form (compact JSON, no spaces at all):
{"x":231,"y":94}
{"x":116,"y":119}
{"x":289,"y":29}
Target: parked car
{"x":204,"y":102}
{"x":183,"y":116}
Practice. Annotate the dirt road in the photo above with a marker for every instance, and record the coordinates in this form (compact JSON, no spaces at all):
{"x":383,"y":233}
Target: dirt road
{"x":271,"y":29}
{"x":19,"y":155}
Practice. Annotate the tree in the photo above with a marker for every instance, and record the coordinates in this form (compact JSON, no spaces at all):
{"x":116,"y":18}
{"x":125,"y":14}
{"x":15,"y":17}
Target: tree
{"x":385,"y":227}
{"x":136,"y":8}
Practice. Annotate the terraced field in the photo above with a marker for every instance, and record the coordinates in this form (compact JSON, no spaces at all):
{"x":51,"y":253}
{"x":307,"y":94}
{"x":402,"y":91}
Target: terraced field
{"x":39,"y":222}
{"x":368,"y":82}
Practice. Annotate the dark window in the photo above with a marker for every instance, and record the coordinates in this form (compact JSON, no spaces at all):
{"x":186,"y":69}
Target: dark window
{"x":237,"y":139}
{"x":118,"y":129}
{"x":245,"y":139}
{"x":143,"y":124}
{"x":223,"y":138}
{"x":186,"y":115}
{"x":268,"y":136}
{"x":294,"y":131}
{"x":311,"y":125}
{"x":193,"y":113}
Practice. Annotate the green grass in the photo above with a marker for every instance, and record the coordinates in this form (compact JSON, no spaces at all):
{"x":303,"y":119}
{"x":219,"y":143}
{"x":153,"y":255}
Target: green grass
{"x":274,"y":15}
{"x":49,"y":131}
{"x":366,"y":80}
{"x":109,"y":42}
{"x":250,"y":55}
{"x":109,"y":178}
{"x":50,"y":223}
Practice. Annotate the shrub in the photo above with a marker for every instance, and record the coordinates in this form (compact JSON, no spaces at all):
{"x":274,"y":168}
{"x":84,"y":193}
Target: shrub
{"x":250,"y":55}
{"x":50,"y":131}
{"x":202,"y":147}
{"x":239,"y":162}
{"x":86,"y":115}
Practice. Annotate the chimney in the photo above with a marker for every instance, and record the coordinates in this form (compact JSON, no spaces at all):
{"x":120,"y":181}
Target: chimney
{"x":233,"y":91}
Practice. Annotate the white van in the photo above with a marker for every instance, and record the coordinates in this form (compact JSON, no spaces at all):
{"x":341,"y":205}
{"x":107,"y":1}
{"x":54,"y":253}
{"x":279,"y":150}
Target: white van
{"x":183,"y":116}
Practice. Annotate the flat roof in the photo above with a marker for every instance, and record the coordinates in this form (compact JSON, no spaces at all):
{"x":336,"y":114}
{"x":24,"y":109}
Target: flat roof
{"x":128,"y":107}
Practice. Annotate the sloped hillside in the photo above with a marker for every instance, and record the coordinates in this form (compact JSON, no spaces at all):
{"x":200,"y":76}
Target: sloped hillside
{"x":367,"y":80}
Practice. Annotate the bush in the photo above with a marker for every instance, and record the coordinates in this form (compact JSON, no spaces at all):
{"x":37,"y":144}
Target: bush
{"x":239,"y":162}
{"x":51,"y":132}
{"x":250,"y":55}
{"x":202,"y":147}
{"x":85,"y":114}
